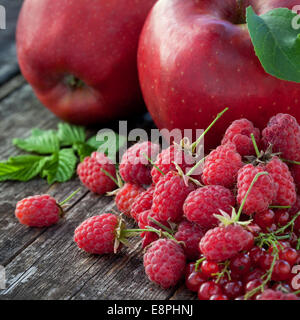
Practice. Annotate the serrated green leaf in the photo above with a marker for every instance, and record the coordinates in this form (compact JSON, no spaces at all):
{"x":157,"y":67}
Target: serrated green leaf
{"x":276,"y":42}
{"x":42,"y":142}
{"x":83,"y":150}
{"x":22,"y":168}
{"x":61,"y":167}
{"x":69,"y":134}
{"x":107,"y":142}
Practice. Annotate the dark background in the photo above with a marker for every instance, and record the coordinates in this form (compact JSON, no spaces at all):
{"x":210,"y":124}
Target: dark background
{"x":8,"y":59}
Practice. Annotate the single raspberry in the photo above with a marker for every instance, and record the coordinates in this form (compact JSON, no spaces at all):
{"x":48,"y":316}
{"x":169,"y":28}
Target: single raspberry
{"x":239,"y":133}
{"x":201,"y":205}
{"x":283,"y":182}
{"x":169,"y":195}
{"x":222,"y":243}
{"x":38,"y":211}
{"x":91,"y":174}
{"x":190,"y":234}
{"x":97,"y":234}
{"x":142,"y":203}
{"x":165,"y":162}
{"x":262,"y":193}
{"x":125,"y":197}
{"x":270,"y":294}
{"x":283,"y":133}
{"x":295,"y":171}
{"x":134,"y":166}
{"x":221,"y":166}
{"x":165,"y":262}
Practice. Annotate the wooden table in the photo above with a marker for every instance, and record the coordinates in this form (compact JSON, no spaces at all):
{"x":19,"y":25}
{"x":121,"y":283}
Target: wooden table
{"x":45,"y":263}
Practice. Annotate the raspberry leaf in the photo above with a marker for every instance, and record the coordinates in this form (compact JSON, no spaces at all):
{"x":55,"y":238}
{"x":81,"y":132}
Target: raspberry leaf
{"x":42,"y":142}
{"x":69,"y":134}
{"x":276,"y":39}
{"x":22,"y":168}
{"x":61,"y":167}
{"x":83,"y":149}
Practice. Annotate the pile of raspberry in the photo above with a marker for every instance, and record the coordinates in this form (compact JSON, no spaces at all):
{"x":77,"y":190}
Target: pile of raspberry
{"x":230,"y":231}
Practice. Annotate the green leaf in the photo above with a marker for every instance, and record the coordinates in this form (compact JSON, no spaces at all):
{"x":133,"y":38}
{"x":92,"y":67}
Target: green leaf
{"x":61,"y":167}
{"x":107,"y":142}
{"x":43,"y":142}
{"x":69,"y":134}
{"x":22,"y":168}
{"x":83,"y":149}
{"x":276,"y":42}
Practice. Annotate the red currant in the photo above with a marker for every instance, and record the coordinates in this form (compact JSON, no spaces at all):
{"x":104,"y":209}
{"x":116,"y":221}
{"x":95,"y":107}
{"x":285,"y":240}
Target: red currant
{"x":194,"y":280}
{"x":255,"y":253}
{"x":265,"y":219}
{"x":290,"y":255}
{"x":281,"y":271}
{"x":218,"y":297}
{"x":240,"y":264}
{"x":208,"y":289}
{"x":254,"y":274}
{"x":209,"y":268}
{"x":282,"y":217}
{"x":233,"y":289}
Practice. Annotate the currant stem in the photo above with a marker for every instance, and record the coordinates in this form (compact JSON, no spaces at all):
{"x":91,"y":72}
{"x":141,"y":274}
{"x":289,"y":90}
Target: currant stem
{"x":268,"y":273}
{"x":279,"y":207}
{"x":282,"y":229}
{"x":255,"y":145}
{"x":248,"y":191}
{"x":198,"y":262}
{"x":153,"y":164}
{"x":110,"y":176}
{"x":195,"y":167}
{"x":129,"y":232}
{"x":161,"y":225}
{"x":224,"y":271}
{"x":69,"y":197}
{"x":290,"y":161}
{"x":219,"y":115}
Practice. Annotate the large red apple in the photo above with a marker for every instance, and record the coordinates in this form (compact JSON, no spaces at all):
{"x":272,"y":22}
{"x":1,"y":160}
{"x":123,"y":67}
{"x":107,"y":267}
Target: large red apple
{"x":196,"y":57}
{"x":80,"y":56}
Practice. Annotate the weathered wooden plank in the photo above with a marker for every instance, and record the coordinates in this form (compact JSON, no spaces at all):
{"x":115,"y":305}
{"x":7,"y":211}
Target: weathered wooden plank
{"x":8,"y":59}
{"x":53,"y":267}
{"x":10,"y":86}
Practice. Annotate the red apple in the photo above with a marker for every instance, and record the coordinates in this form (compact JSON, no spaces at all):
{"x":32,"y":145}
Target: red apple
{"x":80,"y":56}
{"x":196,"y":57}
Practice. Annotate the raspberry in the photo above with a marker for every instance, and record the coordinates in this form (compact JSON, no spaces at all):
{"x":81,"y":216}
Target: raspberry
{"x":295,"y":171}
{"x":126,"y":195}
{"x":91,"y":175}
{"x":142,"y":203}
{"x":201,"y":205}
{"x":284,"y":182}
{"x":165,"y":162}
{"x":165,"y":262}
{"x":239,"y":133}
{"x":222,"y":243}
{"x":134,"y":167}
{"x":283,"y":133}
{"x":97,"y":234}
{"x":38,"y":211}
{"x":270,"y":294}
{"x":169,"y":195}
{"x":190,"y":234}
{"x":262,"y":193}
{"x":221,"y":166}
